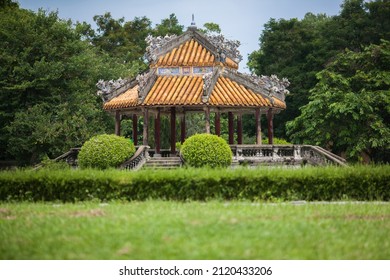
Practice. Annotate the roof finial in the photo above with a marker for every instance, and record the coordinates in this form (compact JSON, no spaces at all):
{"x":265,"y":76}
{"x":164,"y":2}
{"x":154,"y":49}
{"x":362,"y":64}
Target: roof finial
{"x":193,"y":21}
{"x":193,"y":24}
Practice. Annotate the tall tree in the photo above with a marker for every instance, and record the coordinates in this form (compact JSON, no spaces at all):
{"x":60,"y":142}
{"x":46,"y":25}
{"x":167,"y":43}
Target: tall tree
{"x":122,"y":40}
{"x":169,"y":26}
{"x":48,"y":99}
{"x":298,"y":49}
{"x":349,"y":108}
{"x":292,"y":49}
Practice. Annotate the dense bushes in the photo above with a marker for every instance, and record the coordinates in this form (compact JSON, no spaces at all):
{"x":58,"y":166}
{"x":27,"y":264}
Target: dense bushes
{"x":206,"y":150}
{"x":104,"y":151}
{"x":331,"y":183}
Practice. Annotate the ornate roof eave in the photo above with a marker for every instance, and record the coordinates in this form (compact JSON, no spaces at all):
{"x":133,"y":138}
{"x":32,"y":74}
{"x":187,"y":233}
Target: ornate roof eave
{"x":209,"y":81}
{"x":145,"y":82}
{"x":242,"y":79}
{"x":268,"y":86}
{"x":113,"y":88}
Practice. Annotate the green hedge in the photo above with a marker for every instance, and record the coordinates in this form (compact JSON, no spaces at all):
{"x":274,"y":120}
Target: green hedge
{"x":332,"y":183}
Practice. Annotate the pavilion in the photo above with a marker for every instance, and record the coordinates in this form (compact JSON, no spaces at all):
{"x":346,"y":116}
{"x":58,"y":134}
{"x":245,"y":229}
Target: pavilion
{"x":190,"y":73}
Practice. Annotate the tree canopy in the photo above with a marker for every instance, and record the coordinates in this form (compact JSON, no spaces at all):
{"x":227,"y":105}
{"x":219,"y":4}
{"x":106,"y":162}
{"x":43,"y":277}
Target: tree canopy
{"x":349,"y":107}
{"x":301,"y":49}
{"x":48,"y":71}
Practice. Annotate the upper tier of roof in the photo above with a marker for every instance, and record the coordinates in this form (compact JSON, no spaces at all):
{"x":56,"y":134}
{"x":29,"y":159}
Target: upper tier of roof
{"x":192,"y":48}
{"x":192,"y":53}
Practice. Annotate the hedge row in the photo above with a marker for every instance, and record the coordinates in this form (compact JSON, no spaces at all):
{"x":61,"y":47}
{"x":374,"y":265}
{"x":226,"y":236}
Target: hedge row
{"x":331,"y":183}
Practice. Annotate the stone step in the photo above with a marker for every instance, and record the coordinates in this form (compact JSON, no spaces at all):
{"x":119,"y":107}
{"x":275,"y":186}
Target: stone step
{"x":164,"y":159}
{"x":161,"y":167}
{"x":163,"y":163}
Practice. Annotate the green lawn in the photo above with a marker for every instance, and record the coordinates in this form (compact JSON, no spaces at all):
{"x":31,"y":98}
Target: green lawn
{"x":194,"y":230}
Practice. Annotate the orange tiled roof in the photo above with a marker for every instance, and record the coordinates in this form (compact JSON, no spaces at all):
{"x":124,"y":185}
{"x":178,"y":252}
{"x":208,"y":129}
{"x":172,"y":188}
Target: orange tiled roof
{"x":175,"y":90}
{"x":191,"y":53}
{"x":279,"y":103}
{"x":127,"y":99}
{"x":188,"y":90}
{"x":229,"y":93}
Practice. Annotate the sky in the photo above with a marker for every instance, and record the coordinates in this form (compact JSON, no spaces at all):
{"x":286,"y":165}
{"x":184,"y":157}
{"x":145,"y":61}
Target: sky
{"x":241,"y":20}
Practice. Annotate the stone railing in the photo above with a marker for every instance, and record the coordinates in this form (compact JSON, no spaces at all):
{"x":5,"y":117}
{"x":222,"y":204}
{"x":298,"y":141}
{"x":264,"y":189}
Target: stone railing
{"x":69,"y":157}
{"x":315,"y":155}
{"x":283,"y":155}
{"x":137,"y":160}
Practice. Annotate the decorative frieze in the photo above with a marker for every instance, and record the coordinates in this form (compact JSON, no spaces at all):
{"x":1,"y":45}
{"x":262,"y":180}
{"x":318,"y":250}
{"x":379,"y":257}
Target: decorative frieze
{"x":202,"y":70}
{"x":185,"y":70}
{"x":168,"y":71}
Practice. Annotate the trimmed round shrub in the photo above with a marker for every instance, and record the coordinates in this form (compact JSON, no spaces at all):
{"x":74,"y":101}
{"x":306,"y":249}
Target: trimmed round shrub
{"x":206,"y":150}
{"x":105,"y":151}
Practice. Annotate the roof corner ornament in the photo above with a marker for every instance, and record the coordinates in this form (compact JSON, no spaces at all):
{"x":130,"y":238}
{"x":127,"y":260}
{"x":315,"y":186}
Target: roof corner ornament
{"x":155,"y":44}
{"x":226,"y":46}
{"x":107,"y":89}
{"x":273,"y":86}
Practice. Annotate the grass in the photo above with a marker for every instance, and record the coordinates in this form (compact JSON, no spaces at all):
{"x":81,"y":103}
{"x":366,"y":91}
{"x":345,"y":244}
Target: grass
{"x":194,"y":230}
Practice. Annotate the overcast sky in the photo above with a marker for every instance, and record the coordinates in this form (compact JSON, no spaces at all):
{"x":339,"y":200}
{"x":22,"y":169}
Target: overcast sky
{"x":241,"y":20}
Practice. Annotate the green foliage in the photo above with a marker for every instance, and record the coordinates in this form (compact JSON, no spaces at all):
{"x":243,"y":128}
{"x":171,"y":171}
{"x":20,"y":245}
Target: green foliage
{"x":48,"y":73}
{"x":269,"y":184}
{"x":277,"y":141}
{"x":48,"y":100}
{"x":210,"y":28}
{"x":299,"y":49}
{"x":168,"y":26}
{"x":49,"y":164}
{"x":124,"y":41}
{"x":105,"y":151}
{"x":206,"y":150}
{"x":349,"y":107}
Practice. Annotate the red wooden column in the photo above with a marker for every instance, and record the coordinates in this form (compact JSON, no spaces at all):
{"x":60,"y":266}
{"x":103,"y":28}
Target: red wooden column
{"x":258,"y":126}
{"x":157,"y":133}
{"x":183,"y":128}
{"x":270,"y":117}
{"x":239,"y":129}
{"x":218,"y":124}
{"x":231,"y":128}
{"x":135,"y":128}
{"x":173,"y":131}
{"x":207,"y":114}
{"x":146,"y":127}
{"x":117,"y":123}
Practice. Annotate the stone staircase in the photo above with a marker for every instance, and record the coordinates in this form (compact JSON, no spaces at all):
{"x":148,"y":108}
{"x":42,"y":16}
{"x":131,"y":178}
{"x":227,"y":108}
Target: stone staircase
{"x":163,"y":163}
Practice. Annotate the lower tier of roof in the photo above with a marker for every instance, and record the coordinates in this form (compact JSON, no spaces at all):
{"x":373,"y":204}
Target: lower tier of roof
{"x":193,"y":90}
